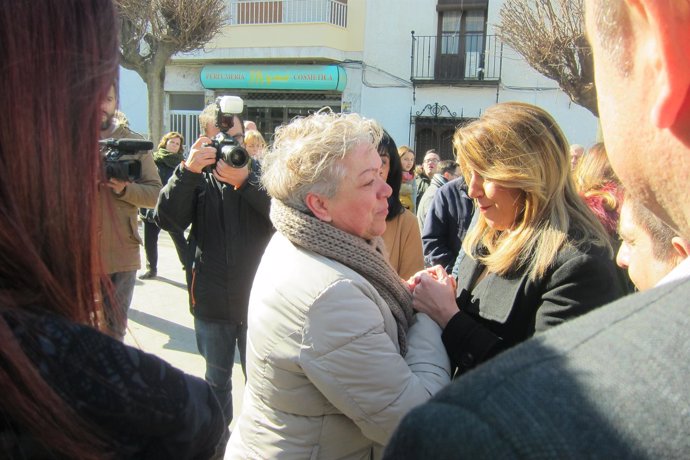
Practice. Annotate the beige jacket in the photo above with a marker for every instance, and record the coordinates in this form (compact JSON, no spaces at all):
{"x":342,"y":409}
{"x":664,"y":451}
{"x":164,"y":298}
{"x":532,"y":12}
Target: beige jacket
{"x":325,"y":376}
{"x":404,"y":244}
{"x":117,"y":229}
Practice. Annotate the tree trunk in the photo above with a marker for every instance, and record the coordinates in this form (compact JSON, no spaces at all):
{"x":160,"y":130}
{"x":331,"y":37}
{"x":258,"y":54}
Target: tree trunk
{"x":154,"y":81}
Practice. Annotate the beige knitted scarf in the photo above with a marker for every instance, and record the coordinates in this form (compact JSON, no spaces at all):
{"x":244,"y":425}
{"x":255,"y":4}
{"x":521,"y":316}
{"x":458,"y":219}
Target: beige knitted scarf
{"x":365,"y":257}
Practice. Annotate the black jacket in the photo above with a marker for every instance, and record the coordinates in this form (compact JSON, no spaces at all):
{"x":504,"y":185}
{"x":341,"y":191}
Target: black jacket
{"x":446,"y":223}
{"x":143,"y":407}
{"x":502,"y":311}
{"x":230,"y":230}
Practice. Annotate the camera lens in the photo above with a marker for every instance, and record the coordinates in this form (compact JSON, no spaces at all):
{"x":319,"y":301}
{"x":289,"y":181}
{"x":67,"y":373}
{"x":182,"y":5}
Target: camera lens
{"x":235,"y":156}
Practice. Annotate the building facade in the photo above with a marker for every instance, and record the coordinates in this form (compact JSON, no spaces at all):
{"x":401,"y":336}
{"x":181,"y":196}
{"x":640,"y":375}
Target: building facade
{"x":419,"y":67}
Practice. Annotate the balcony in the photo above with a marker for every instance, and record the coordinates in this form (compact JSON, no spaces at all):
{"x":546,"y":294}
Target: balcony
{"x":461,"y":59}
{"x":252,"y":12}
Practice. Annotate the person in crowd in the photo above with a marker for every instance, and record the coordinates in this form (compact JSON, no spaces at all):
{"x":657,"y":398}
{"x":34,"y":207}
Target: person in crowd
{"x":169,"y":155}
{"x":537,"y":256}
{"x":68,"y":389}
{"x":402,"y":239}
{"x":228,"y":212}
{"x":120,"y":203}
{"x":249,"y":125}
{"x":446,"y":224}
{"x":446,"y":171}
{"x":613,"y":383}
{"x":336,"y":354}
{"x":408,"y":187}
{"x":576,"y":152}
{"x":254,"y":143}
{"x":649,"y":249}
{"x":423,"y":178}
{"x":598,"y":185}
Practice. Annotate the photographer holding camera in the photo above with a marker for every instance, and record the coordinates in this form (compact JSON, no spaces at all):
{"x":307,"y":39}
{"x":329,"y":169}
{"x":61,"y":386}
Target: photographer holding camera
{"x":216,"y":190}
{"x":120,"y":200}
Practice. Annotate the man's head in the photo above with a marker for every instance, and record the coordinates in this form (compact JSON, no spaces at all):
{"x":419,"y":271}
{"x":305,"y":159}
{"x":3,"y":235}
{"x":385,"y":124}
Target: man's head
{"x":576,"y":151}
{"x":207,"y":124}
{"x":250,"y":126}
{"x":449,"y":169}
{"x":650,"y":249}
{"x":108,"y":108}
{"x":431,"y":160}
{"x":641,"y":49}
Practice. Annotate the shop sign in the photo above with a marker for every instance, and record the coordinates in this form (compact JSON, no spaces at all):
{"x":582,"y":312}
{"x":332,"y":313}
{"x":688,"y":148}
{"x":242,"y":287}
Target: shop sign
{"x":294,"y":77}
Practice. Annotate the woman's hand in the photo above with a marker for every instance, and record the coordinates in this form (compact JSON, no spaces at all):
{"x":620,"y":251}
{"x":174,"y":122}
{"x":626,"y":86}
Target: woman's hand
{"x":434,"y":294}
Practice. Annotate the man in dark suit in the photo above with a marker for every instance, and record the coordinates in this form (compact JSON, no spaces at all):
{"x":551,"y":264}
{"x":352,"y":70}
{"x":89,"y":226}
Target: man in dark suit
{"x":613,"y":383}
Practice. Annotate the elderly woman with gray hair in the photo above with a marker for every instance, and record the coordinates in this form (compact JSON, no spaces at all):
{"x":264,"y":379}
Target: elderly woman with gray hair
{"x":336,"y":355}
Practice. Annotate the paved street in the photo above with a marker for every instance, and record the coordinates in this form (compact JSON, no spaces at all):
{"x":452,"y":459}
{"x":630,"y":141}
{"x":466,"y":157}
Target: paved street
{"x":160,"y":322}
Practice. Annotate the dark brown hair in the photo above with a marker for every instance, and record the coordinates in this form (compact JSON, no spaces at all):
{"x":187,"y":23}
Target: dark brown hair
{"x":59,"y":58}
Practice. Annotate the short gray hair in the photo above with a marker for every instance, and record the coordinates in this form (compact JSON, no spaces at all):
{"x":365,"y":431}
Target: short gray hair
{"x":306,"y":155}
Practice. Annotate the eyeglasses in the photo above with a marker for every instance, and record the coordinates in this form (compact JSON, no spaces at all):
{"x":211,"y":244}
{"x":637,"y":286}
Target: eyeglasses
{"x":431,"y":160}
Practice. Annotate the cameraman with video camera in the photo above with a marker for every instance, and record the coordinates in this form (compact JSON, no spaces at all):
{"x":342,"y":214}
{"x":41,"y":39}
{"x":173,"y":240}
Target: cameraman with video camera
{"x":216,"y":190}
{"x":121,"y":197}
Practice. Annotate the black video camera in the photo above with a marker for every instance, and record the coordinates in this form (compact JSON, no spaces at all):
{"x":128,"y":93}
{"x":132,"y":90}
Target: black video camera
{"x":227,"y":148}
{"x":116,"y":167}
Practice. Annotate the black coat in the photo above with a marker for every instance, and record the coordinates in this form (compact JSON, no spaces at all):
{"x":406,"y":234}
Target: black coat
{"x":230,"y":230}
{"x":610,"y":384}
{"x":502,"y":311}
{"x":446,"y":223}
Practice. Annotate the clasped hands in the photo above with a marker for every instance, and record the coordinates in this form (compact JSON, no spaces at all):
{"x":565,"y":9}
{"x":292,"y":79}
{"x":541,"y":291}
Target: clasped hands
{"x":201,"y":156}
{"x":433,"y":293}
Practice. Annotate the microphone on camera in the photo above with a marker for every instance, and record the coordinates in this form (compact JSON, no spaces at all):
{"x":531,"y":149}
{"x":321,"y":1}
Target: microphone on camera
{"x":127,"y":145}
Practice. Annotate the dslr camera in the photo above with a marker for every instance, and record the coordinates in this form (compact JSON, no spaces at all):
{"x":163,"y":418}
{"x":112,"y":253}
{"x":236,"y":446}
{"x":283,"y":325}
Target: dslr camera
{"x":227,"y":148}
{"x":116,"y":167}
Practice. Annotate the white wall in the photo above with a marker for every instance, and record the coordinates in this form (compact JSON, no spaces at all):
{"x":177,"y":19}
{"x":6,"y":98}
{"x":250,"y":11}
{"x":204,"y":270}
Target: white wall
{"x":386,"y":90}
{"x":388,"y":48}
{"x":134,"y":100}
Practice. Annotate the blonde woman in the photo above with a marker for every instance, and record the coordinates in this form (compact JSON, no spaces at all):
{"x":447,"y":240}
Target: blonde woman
{"x":255,"y":144}
{"x":408,"y":187}
{"x":596,"y":182}
{"x":537,"y":256}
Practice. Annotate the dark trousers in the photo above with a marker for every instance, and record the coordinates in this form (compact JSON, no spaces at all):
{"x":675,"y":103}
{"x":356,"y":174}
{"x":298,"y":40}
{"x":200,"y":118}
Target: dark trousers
{"x":216,"y":343}
{"x":151,"y":232}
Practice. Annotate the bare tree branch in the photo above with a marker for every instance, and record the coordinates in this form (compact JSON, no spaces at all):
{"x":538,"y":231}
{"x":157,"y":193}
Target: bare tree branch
{"x":152,"y":31}
{"x":549,"y":34}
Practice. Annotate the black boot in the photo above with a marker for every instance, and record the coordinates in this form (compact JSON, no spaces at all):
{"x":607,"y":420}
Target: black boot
{"x":148,"y":275}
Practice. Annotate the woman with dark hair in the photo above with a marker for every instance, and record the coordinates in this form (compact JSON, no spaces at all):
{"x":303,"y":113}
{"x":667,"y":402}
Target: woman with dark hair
{"x":69,"y":391}
{"x":402,"y":236}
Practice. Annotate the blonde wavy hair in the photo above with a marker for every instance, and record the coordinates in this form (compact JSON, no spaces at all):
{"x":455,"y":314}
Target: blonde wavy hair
{"x":253,"y":135}
{"x":520,"y":146}
{"x":305,"y":155}
{"x":593,"y":172}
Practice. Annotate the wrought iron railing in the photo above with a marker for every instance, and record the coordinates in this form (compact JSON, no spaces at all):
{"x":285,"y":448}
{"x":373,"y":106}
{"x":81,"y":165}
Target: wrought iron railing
{"x":243,"y":12}
{"x":470,"y":57}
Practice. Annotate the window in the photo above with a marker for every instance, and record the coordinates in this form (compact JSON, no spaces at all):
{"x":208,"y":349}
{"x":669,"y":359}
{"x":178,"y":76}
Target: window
{"x":461,"y":36}
{"x":450,"y":32}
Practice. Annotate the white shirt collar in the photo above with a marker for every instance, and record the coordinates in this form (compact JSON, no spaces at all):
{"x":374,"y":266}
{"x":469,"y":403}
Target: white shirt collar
{"x":682,"y":270}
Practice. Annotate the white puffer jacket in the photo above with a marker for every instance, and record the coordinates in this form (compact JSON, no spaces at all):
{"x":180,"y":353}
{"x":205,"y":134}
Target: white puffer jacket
{"x":325,"y":379}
